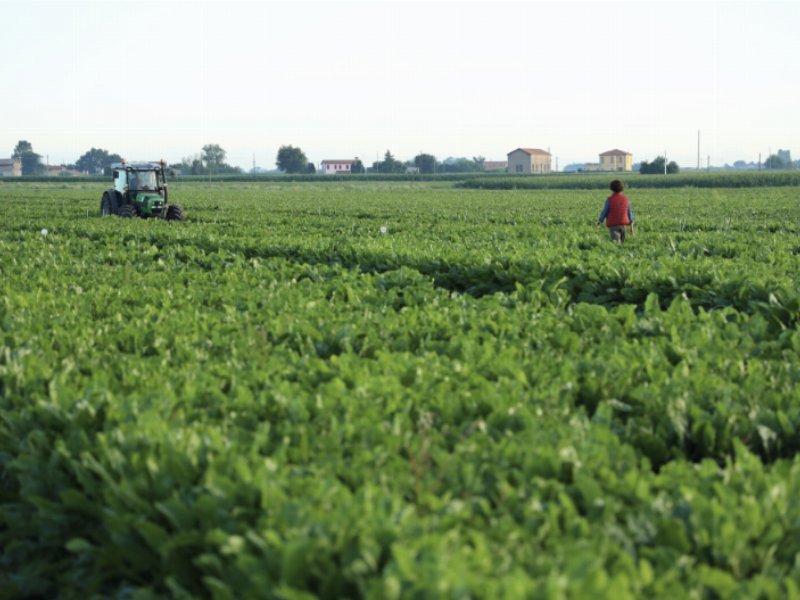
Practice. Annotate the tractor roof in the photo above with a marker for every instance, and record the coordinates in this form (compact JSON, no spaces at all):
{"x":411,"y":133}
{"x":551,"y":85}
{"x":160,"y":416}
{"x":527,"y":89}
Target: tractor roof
{"x":139,"y":166}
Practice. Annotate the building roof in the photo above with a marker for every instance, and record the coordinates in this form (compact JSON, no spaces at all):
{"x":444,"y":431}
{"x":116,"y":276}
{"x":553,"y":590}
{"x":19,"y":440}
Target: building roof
{"x":615,"y":152}
{"x":8,"y":162}
{"x":495,"y":164}
{"x":531,"y":151}
{"x":347,"y":161}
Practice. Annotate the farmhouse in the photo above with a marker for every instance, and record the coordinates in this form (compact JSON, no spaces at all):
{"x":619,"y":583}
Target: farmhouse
{"x":528,"y":160}
{"x":336,"y":167}
{"x":10,"y":167}
{"x":616,"y":160}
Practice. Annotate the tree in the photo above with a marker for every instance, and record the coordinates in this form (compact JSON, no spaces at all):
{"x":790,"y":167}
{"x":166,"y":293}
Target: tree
{"x":457,"y":165}
{"x":31,"y":162}
{"x":478,"y":162}
{"x":426,"y":163}
{"x":357,"y":167}
{"x":291,"y":159}
{"x":22,"y":147}
{"x":389,"y":165}
{"x":96,"y":161}
{"x":210,"y":161}
{"x":652,"y":168}
{"x":311,"y":169}
{"x":392,"y":165}
{"x":190,"y":165}
{"x":657,"y":167}
{"x":195,"y":164}
{"x":774,"y":162}
{"x":214,"y":157}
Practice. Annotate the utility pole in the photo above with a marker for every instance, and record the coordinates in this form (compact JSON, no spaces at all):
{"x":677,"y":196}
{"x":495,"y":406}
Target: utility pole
{"x":665,"y":162}
{"x":698,"y":149}
{"x":708,"y":163}
{"x":759,"y":161}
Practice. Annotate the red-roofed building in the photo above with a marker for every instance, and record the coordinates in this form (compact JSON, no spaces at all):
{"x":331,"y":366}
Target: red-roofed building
{"x":10,"y":167}
{"x":528,"y":160}
{"x":616,"y":160}
{"x":53,"y":170}
{"x":495,"y":165}
{"x":336,"y":167}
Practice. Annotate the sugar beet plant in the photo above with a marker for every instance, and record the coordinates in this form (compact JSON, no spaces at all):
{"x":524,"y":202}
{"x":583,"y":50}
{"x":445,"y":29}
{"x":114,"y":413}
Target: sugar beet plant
{"x":399,"y":392}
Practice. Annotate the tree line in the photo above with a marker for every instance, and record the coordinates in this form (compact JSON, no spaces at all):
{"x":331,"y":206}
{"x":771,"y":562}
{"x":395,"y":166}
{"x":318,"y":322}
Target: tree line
{"x":290,"y":159}
{"x":98,"y":161}
{"x":94,"y":162}
{"x":211,"y":160}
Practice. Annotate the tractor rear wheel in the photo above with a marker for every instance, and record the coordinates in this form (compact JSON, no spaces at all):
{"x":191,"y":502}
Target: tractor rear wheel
{"x":126,"y":211}
{"x":108,"y":205}
{"x":175,"y":213}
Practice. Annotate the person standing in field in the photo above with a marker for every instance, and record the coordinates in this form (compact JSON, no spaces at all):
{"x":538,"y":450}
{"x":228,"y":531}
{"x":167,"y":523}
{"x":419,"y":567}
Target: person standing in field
{"x":617,"y":213}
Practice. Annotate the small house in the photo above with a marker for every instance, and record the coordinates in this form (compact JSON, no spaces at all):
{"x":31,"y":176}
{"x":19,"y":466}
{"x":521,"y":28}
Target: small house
{"x":337,"y":167}
{"x":529,"y":160}
{"x":10,"y":167}
{"x":616,"y":160}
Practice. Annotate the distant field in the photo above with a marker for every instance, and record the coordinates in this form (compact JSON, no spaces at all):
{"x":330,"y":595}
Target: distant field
{"x":635,"y":180}
{"x":493,"y":180}
{"x":400,"y":390}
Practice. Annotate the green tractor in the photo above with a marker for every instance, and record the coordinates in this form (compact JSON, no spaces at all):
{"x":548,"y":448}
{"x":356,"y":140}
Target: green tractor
{"x":140,"y":190}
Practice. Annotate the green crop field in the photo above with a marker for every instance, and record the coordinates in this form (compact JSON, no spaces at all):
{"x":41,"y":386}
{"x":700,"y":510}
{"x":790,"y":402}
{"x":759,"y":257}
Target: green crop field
{"x":400,"y":390}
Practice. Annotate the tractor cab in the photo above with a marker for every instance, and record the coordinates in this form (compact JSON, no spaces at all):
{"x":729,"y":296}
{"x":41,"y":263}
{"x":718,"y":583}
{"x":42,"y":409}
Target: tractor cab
{"x":136,"y":180}
{"x":140,"y":189}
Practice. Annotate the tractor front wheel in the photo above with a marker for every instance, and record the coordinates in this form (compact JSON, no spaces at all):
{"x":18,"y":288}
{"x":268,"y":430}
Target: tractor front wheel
{"x":107,"y":205}
{"x":127,"y":211}
{"x":175,"y":213}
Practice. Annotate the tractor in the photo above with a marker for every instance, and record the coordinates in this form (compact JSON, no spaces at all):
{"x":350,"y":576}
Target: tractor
{"x":140,"y":190}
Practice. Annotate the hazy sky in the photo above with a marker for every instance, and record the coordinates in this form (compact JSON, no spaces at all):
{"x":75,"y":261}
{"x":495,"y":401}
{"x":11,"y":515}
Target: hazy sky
{"x":343,"y":79}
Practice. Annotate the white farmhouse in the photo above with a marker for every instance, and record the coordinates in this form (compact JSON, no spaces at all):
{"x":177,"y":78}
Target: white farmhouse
{"x":336,"y":167}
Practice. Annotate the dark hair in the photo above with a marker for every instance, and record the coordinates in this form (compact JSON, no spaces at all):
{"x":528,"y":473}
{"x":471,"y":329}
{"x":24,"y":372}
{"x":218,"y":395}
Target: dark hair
{"x":617,"y":186}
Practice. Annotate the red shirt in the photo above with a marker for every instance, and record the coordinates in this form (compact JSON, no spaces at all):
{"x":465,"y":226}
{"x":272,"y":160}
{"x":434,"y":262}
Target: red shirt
{"x":618,"y":213}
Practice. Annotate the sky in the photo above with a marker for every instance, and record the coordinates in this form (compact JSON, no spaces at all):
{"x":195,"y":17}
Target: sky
{"x":150,"y":80}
